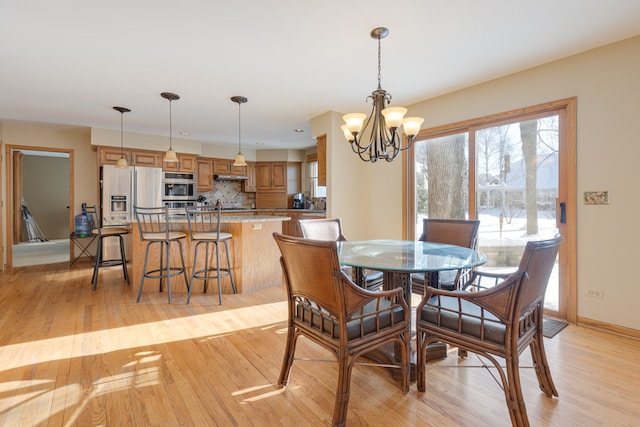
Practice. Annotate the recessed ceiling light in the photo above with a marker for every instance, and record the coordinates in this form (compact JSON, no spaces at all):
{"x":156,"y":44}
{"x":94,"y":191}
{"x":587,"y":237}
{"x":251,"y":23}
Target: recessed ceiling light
{"x":185,"y":133}
{"x":298,"y":130}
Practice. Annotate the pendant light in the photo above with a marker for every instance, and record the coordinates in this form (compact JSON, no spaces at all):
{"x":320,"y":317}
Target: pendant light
{"x":240,"y":161}
{"x":170,"y":155}
{"x":122,"y":161}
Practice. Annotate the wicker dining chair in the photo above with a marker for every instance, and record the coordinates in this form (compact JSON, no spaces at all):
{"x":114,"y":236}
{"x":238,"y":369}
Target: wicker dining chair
{"x":331,"y":229}
{"x":497,"y":322}
{"x":457,"y":232}
{"x":326,"y":307}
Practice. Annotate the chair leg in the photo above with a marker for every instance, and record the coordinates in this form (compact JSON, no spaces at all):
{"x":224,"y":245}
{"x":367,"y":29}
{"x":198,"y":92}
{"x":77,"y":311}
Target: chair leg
{"x":161,"y":266}
{"x":166,"y":246}
{"x":233,"y":283}
{"x":184,"y":266}
{"x":421,"y":364}
{"x":144,"y":270}
{"x":345,"y":365}
{"x":193,"y":271}
{"x":289,"y":352}
{"x":541,"y":366}
{"x":123,"y":257}
{"x":206,"y":267}
{"x":96,"y":265}
{"x":513,"y":394}
{"x":218,"y":272}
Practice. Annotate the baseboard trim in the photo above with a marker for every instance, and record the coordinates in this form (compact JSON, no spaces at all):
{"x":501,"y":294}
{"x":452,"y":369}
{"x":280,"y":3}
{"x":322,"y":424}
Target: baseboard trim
{"x":609,"y":327}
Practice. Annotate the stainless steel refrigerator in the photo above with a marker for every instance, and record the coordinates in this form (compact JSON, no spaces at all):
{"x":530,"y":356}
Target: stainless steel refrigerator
{"x":121,"y":189}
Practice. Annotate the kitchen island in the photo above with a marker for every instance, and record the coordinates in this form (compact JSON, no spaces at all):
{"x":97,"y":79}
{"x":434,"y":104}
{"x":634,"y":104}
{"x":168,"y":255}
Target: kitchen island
{"x":254,"y":254}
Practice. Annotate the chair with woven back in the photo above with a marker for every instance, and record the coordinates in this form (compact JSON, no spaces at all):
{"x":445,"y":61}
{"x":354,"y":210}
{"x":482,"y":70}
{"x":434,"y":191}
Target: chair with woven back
{"x":457,"y":232}
{"x":497,"y":322}
{"x":326,"y":307}
{"x":331,"y":229}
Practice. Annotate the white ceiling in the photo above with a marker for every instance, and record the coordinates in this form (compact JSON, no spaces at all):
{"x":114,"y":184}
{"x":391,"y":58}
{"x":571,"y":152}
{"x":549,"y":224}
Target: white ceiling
{"x":71,"y":61}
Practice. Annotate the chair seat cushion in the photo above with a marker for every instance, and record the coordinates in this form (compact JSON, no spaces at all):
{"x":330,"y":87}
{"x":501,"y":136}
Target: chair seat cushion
{"x":329,"y":325}
{"x":212,"y":236}
{"x":470,"y":325}
{"x":446,"y":279}
{"x":159,"y":237}
{"x":109,"y":231}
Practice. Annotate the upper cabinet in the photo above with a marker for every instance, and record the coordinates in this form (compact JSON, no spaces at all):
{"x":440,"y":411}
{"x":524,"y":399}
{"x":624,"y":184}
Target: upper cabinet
{"x":205,"y":174}
{"x":271,"y":176}
{"x":225,"y":167}
{"x":185,"y":163}
{"x":110,"y":156}
{"x":249,"y":186}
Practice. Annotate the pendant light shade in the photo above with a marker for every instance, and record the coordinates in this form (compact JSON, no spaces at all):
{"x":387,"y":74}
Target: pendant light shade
{"x":122,"y":161}
{"x":240,"y":161}
{"x":170,"y":155}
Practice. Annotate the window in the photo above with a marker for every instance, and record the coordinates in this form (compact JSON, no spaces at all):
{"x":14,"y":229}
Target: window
{"x":315,"y":189}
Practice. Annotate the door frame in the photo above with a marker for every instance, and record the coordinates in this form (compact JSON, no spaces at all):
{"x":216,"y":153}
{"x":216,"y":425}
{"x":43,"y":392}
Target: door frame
{"x":10,"y":209}
{"x":567,"y":187}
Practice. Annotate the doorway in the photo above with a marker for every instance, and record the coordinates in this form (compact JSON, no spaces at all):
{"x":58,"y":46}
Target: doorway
{"x":39,"y":217}
{"x":513,"y":171}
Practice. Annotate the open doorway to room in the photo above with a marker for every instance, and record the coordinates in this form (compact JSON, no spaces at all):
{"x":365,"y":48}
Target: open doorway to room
{"x":38,"y":208}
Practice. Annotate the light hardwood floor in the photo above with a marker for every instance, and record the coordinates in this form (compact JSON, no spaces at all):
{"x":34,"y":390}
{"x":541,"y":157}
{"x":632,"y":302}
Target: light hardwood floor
{"x":70,"y":356}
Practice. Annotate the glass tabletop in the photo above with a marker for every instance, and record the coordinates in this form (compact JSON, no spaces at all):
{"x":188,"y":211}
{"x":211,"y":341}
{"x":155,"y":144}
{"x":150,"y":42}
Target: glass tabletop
{"x":409,"y":256}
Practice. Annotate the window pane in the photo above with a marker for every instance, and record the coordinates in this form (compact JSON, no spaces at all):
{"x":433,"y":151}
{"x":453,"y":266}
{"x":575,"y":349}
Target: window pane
{"x":441,"y":178}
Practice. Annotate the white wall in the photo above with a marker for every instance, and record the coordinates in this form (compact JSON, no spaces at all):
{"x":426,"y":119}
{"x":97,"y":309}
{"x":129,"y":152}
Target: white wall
{"x":606,"y":82}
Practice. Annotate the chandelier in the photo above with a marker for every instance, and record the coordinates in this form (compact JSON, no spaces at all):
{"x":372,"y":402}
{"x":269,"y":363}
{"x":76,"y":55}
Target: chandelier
{"x":385,"y":141}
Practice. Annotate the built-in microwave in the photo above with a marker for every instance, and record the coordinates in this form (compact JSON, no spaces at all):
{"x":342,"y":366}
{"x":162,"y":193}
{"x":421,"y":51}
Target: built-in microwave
{"x":179,"y":186}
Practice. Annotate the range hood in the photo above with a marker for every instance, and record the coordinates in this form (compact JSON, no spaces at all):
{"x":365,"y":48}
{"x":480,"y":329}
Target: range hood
{"x":230,"y":178}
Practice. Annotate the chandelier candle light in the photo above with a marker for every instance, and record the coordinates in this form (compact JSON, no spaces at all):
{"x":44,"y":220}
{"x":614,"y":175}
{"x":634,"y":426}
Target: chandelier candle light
{"x":170,"y":155}
{"x":122,"y":161}
{"x":385,"y":141}
{"x":240,"y":161}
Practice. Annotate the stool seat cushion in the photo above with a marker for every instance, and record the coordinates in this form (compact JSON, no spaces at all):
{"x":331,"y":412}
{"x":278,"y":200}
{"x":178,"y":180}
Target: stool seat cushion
{"x":160,"y":237}
{"x":211,"y":236}
{"x":109,"y":231}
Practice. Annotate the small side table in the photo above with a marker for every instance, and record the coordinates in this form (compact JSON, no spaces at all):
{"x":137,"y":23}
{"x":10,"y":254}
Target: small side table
{"x":84,"y":244}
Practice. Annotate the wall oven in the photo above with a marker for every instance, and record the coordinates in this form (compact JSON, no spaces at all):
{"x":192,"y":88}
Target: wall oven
{"x":179,"y":186}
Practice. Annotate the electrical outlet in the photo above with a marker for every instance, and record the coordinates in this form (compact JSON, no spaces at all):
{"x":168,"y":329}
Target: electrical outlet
{"x":595,"y":293}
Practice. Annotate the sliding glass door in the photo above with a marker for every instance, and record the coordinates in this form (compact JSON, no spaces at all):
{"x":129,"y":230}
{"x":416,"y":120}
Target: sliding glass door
{"x":505,"y":171}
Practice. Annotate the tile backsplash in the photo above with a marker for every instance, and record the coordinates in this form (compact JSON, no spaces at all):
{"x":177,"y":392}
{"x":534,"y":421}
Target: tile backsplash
{"x":230,"y":195}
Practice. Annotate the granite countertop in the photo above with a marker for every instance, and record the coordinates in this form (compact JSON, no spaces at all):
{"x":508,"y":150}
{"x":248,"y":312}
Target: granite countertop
{"x":237,"y":218}
{"x":313,"y":211}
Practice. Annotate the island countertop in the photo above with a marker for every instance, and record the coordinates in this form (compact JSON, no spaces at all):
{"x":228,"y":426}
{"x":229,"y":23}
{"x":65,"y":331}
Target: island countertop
{"x":232,"y":219}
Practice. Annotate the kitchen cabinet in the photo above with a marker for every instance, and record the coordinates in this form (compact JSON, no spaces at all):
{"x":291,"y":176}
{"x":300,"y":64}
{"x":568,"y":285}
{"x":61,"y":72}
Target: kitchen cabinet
{"x":249,"y":186}
{"x":146,"y":158}
{"x":271,"y":176}
{"x":226,"y":167}
{"x":185,"y":163}
{"x":111,"y":155}
{"x":322,"y":160}
{"x":205,"y":174}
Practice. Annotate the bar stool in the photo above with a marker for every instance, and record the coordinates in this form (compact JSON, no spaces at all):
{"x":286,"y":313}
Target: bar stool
{"x":101,"y":232}
{"x":153,"y":224}
{"x":204,"y":228}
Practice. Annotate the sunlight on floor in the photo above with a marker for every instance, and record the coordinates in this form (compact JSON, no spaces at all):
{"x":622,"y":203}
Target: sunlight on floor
{"x":204,"y":326}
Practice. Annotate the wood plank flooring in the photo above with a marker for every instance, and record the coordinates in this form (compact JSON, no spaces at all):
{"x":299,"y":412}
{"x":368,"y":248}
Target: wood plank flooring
{"x":70,"y":356}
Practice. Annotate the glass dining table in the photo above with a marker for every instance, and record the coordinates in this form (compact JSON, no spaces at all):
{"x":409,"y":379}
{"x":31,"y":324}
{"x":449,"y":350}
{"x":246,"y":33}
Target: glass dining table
{"x":398,"y":259}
